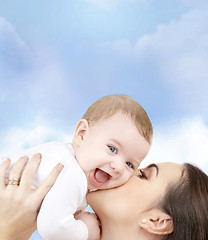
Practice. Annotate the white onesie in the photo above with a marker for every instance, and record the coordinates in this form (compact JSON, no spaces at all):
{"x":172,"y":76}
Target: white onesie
{"x":56,"y":217}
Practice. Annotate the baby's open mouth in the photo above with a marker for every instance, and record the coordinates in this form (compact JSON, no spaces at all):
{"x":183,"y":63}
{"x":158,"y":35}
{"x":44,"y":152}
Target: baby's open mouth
{"x":99,"y":177}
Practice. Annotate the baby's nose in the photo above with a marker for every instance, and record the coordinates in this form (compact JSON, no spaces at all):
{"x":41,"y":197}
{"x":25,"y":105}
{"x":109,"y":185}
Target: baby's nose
{"x":117,"y":167}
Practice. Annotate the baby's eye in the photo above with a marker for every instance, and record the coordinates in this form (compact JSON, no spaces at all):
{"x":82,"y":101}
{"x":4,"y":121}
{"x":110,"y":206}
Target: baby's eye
{"x":113,"y":150}
{"x":129,"y":165}
{"x":142,"y":174}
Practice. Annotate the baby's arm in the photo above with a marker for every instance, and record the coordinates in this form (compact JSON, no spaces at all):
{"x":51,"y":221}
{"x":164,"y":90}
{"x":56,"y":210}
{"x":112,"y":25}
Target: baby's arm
{"x":56,"y":217}
{"x":93,"y":224}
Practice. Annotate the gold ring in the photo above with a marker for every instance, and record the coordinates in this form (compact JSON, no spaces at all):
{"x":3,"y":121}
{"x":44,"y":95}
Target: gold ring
{"x":13,"y":181}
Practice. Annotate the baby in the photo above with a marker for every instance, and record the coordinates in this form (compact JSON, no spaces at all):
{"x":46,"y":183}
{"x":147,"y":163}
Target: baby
{"x":109,"y":143}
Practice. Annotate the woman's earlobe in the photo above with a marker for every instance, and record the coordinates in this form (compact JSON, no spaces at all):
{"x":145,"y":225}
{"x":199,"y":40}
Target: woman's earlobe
{"x":158,"y":223}
{"x":144,"y":221}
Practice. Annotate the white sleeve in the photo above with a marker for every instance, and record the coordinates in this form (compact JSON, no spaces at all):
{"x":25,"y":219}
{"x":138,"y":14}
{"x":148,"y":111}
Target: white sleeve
{"x":56,"y":217}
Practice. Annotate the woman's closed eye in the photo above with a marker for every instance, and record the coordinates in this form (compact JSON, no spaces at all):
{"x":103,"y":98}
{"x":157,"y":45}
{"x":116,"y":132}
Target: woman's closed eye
{"x":112,"y":149}
{"x":142,"y":174}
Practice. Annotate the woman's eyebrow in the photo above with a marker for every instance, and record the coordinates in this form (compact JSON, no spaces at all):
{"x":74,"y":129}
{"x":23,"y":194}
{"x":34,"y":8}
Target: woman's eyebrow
{"x":155,"y":166}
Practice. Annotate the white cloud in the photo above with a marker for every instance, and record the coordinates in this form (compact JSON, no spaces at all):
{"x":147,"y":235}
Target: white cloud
{"x":193,"y":3}
{"x":182,"y":48}
{"x":37,"y":73}
{"x":47,"y":76}
{"x":13,"y":49}
{"x":7,"y":31}
{"x":176,"y":56}
{"x":181,"y":142}
{"x":179,"y":49}
{"x":18,"y":139}
{"x":179,"y":53}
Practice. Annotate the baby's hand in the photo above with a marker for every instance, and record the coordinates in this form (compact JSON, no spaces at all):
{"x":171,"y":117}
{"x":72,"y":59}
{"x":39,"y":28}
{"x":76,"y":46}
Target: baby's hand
{"x":93,"y":224}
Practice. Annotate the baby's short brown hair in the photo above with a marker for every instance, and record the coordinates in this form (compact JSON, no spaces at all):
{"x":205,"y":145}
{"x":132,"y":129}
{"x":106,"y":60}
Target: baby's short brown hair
{"x":106,"y":106}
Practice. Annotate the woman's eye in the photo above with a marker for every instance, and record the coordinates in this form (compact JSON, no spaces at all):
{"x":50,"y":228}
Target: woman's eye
{"x":113,"y":150}
{"x":129,"y":165}
{"x":142,"y":174}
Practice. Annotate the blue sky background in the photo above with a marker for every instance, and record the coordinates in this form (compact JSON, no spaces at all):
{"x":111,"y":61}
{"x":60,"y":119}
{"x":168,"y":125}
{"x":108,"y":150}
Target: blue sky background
{"x":58,"y":57}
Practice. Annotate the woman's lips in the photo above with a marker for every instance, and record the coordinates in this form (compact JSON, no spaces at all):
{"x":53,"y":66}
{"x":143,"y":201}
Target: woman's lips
{"x":99,"y":177}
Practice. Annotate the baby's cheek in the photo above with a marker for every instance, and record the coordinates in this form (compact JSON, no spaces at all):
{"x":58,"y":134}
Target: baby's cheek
{"x":136,"y":172}
{"x":130,"y":174}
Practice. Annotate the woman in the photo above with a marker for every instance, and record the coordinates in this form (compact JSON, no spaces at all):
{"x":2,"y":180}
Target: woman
{"x":165,"y":201}
{"x":154,"y":204}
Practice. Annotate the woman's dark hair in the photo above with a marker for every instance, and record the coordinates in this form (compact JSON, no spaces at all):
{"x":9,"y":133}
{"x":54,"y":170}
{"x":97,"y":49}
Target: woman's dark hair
{"x":187,"y":204}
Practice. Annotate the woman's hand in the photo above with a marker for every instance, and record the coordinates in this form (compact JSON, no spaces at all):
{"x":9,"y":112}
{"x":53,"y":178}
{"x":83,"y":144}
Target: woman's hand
{"x":19,"y":203}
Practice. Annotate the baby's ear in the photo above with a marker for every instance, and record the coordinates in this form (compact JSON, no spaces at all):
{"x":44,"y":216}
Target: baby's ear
{"x":157,"y":222}
{"x":80,"y":131}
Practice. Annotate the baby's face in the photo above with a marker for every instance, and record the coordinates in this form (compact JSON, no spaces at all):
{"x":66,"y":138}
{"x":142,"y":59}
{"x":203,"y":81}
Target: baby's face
{"x":110,"y":151}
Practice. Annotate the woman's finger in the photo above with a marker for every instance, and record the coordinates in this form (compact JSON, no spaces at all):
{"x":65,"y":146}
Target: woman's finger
{"x":16,"y":171}
{"x":3,"y":168}
{"x":47,"y":184}
{"x":30,"y":170}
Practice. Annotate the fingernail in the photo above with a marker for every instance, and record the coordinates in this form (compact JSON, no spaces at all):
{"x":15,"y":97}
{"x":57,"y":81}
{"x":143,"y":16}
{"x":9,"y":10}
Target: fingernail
{"x":26,"y":157}
{"x":8,"y":160}
{"x":37,"y":155}
{"x":60,"y":166}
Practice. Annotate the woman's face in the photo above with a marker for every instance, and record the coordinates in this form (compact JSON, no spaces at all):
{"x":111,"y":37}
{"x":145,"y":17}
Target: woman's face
{"x":142,"y":192}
